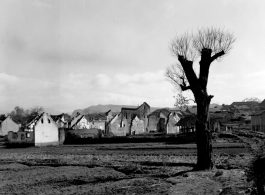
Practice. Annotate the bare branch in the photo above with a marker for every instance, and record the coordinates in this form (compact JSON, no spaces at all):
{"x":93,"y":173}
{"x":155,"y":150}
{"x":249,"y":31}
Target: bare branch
{"x":182,"y":46}
{"x":217,"y":40}
{"x":176,"y":75}
{"x":182,"y":101}
{"x":217,"y":55}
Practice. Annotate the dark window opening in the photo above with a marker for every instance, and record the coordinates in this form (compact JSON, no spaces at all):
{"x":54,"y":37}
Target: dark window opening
{"x":41,"y":120}
{"x":14,"y":136}
{"x":49,"y":121}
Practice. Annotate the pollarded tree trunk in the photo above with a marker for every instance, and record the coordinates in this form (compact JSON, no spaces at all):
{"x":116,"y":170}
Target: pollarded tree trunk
{"x":210,"y":44}
{"x":204,"y":141}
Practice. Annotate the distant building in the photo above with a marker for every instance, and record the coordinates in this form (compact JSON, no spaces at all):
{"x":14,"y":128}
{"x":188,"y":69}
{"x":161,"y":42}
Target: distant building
{"x":229,"y":108}
{"x":133,"y":124}
{"x":60,"y":120}
{"x":116,"y":126}
{"x":7,"y":124}
{"x":246,"y":107}
{"x":262,"y":105}
{"x":258,"y":121}
{"x":173,"y":119}
{"x":187,"y":123}
{"x":99,"y":120}
{"x":163,"y":121}
{"x":80,"y":122}
{"x":41,"y":131}
{"x":157,"y":120}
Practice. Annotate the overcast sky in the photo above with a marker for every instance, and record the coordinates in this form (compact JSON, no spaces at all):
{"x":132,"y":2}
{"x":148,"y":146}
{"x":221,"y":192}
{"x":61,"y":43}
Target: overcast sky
{"x":73,"y":54}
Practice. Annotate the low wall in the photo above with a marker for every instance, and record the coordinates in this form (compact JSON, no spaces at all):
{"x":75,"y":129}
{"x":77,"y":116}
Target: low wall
{"x":48,"y":144}
{"x":169,"y":139}
{"x":20,"y":138}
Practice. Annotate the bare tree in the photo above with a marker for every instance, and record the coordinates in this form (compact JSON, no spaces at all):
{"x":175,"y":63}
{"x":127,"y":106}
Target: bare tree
{"x":36,"y":110}
{"x":209,"y":44}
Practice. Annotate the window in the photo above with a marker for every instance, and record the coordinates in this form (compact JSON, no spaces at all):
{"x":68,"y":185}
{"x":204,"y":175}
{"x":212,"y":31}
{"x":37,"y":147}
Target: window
{"x":27,"y":135}
{"x":41,"y":120}
{"x":14,"y":136}
{"x":49,"y":121}
{"x":22,"y":136}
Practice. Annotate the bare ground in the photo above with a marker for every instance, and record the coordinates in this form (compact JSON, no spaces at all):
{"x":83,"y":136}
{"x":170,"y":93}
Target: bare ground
{"x":155,"y":168}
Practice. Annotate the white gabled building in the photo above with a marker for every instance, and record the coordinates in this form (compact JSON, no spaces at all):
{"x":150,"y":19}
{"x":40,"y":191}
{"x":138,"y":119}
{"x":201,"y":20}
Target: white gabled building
{"x":41,"y":131}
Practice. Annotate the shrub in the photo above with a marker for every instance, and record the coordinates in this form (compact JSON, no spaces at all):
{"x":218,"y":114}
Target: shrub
{"x":256,"y":169}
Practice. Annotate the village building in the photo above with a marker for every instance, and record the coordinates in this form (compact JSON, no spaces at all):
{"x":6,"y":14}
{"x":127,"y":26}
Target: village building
{"x":41,"y":131}
{"x":229,"y":108}
{"x":258,"y":121}
{"x":133,"y":123}
{"x":164,"y":121}
{"x":137,"y":126}
{"x":215,"y":121}
{"x":173,"y":119}
{"x":80,"y":122}
{"x":109,"y":115}
{"x":7,"y":124}
{"x":187,"y":124}
{"x":60,"y":120}
{"x":262,"y":105}
{"x":116,"y":126}
{"x":246,"y":107}
{"x":222,"y":116}
{"x":99,"y":121}
{"x":157,"y":120}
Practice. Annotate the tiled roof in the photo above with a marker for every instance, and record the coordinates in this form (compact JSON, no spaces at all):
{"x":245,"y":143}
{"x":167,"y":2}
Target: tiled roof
{"x":34,"y":119}
{"x":215,"y":109}
{"x":187,"y":120}
{"x":257,"y":113}
{"x":114,"y":118}
{"x":108,"y":112}
{"x":76,"y":120}
{"x":193,"y":109}
{"x":157,"y":112}
{"x":217,"y":115}
{"x":134,"y":108}
{"x":251,"y":103}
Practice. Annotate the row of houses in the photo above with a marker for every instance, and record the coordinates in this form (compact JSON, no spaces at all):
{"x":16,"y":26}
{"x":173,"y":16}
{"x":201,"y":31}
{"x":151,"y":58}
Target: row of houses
{"x":130,"y":121}
{"x":45,"y":129}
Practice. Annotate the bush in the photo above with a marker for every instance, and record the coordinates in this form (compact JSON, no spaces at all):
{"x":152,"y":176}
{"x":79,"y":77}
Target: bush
{"x":256,"y":169}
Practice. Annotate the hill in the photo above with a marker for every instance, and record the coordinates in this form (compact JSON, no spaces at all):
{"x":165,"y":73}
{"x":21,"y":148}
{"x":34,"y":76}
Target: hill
{"x":101,"y":108}
{"x":115,"y":108}
{"x":104,"y":108}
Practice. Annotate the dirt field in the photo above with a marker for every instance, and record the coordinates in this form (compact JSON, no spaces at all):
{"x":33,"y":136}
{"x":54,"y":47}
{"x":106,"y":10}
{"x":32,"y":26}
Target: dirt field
{"x":150,"y":168}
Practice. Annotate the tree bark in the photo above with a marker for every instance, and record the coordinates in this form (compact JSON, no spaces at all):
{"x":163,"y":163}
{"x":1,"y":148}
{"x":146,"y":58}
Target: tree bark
{"x":203,"y":134}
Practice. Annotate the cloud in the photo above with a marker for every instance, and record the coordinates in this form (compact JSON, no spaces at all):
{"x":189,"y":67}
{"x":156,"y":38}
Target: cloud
{"x":141,"y":78}
{"x":7,"y":79}
{"x":100,"y":80}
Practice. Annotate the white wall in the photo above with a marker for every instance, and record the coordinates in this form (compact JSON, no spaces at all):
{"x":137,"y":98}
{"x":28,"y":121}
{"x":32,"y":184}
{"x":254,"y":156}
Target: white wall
{"x":46,"y":131}
{"x":8,"y":125}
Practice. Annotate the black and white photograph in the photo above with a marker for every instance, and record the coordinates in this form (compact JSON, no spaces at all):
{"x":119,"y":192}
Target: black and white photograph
{"x":132,"y":97}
